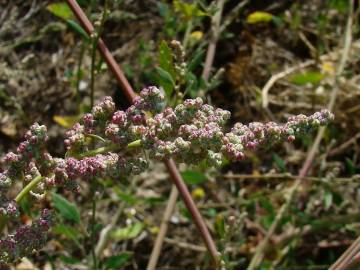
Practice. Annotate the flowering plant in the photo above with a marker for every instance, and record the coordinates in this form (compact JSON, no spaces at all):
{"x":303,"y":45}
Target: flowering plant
{"x":192,"y":132}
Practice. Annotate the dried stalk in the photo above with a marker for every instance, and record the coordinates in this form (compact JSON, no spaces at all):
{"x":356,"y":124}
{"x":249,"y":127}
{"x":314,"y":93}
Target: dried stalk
{"x":155,"y":253}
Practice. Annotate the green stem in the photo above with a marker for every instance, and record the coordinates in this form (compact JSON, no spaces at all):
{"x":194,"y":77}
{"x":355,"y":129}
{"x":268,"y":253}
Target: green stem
{"x":134,"y":144}
{"x":28,"y":188}
{"x":95,"y":40}
{"x":79,"y":73}
{"x":96,"y":137}
{"x":97,"y":151}
{"x":93,"y":231}
{"x":105,"y":149}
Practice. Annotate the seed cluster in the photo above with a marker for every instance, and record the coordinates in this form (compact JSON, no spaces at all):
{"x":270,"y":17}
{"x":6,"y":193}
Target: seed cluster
{"x":192,"y":132}
{"x":26,"y":239}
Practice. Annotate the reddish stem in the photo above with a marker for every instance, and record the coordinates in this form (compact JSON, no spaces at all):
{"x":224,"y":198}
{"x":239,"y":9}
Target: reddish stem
{"x":170,"y":164}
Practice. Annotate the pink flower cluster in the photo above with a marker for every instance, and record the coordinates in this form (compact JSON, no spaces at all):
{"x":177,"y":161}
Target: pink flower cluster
{"x":192,"y":132}
{"x":108,"y":165}
{"x":26,"y":239}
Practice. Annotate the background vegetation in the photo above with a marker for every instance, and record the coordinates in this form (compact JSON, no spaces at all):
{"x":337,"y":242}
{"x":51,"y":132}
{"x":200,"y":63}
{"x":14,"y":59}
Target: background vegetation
{"x":272,"y":59}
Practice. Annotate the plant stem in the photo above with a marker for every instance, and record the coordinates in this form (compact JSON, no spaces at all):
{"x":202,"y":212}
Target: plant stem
{"x":189,"y":27}
{"x":78,"y":73}
{"x":155,"y":253}
{"x":28,"y":188}
{"x":93,"y":231}
{"x":95,"y":39}
{"x":130,"y":94}
{"x":134,"y":144}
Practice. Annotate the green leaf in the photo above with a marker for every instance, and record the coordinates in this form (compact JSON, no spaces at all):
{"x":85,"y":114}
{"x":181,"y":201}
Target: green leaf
{"x":166,"y":58}
{"x":67,"y":210}
{"x":279,"y":162}
{"x":61,"y":10}
{"x":166,"y":81}
{"x":128,"y":198}
{"x":66,"y":121}
{"x":328,"y":198}
{"x":69,"y":260}
{"x":188,"y":10}
{"x":308,"y":77}
{"x":117,"y":261}
{"x":196,"y":59}
{"x":350,"y":166}
{"x":129,"y":232}
{"x":266,"y":204}
{"x":220,"y":226}
{"x":68,"y":232}
{"x":193,"y":178}
{"x":258,"y":17}
{"x":78,"y":29}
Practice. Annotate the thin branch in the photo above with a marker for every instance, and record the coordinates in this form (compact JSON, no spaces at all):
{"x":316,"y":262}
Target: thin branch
{"x":215,"y":32}
{"x":154,"y":257}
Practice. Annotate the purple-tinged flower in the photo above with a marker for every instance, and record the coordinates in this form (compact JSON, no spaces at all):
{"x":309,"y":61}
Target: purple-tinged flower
{"x":26,"y":239}
{"x":104,"y":109}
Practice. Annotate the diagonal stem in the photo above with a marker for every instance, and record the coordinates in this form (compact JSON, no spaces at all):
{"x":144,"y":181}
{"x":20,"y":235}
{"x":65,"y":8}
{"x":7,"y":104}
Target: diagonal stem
{"x":130,"y":94}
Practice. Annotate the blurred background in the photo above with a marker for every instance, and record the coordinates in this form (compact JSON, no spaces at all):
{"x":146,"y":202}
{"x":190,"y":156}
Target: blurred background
{"x":272,"y":59}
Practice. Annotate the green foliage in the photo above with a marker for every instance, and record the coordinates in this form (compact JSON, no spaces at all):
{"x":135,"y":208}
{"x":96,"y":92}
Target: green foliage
{"x":166,"y":81}
{"x":308,"y":77}
{"x":117,"y":261}
{"x":193,"y":177}
{"x":66,"y":209}
{"x":259,"y":17}
{"x":69,"y":232}
{"x":78,"y":29}
{"x":129,"y":232}
{"x":61,"y":10}
{"x":279,"y":162}
{"x":188,"y":10}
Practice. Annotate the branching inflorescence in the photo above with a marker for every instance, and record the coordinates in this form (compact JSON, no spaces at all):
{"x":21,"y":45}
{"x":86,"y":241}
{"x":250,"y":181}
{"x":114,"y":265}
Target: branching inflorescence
{"x":192,"y":132}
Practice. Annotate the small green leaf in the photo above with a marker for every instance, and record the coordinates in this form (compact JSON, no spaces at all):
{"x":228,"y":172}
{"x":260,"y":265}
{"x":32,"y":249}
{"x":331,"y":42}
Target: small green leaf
{"x":66,"y":121}
{"x":193,"y":178}
{"x":117,"y":261}
{"x":350,"y":166}
{"x":220,"y":226}
{"x":61,"y":10}
{"x":67,"y":210}
{"x":166,"y":81}
{"x":69,"y":260}
{"x":129,"y":232}
{"x":308,"y":77}
{"x":328,"y":198}
{"x":78,"y":29}
{"x":196,"y":59}
{"x":128,"y":198}
{"x":279,"y":162}
{"x":166,"y":58}
{"x":69,"y":232}
{"x":266,"y":204}
{"x":188,"y":10}
{"x":258,"y":17}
